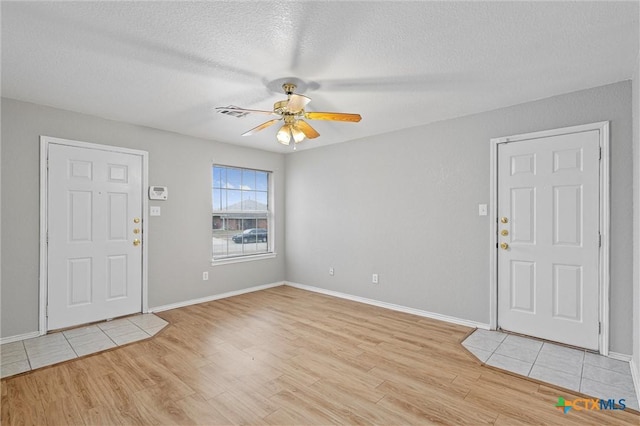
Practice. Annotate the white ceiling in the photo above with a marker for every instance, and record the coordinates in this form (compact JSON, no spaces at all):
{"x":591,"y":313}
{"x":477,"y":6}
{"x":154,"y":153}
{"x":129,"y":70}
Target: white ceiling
{"x":399,"y":64}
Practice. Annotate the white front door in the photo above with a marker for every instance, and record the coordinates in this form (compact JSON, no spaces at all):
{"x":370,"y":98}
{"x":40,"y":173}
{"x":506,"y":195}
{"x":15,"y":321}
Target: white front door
{"x":549,"y":237}
{"x":94,"y":223}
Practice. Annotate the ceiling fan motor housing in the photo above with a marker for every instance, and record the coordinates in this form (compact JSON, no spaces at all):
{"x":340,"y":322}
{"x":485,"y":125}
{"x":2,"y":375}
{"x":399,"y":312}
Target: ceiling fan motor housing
{"x":289,"y":88}
{"x":280,"y":107}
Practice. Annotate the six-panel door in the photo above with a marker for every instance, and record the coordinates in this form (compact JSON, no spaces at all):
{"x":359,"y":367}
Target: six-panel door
{"x":94,"y":212}
{"x":548,"y":236}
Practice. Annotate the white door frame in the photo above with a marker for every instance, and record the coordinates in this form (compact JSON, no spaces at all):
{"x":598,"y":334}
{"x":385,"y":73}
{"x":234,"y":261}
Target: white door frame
{"x":45,"y":141}
{"x":603,"y":128}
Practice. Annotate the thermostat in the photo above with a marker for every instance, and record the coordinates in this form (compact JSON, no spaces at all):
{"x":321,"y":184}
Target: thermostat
{"x":158,"y":192}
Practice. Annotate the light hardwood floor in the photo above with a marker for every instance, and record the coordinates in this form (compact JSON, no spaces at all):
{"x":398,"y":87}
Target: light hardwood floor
{"x":287,"y":356}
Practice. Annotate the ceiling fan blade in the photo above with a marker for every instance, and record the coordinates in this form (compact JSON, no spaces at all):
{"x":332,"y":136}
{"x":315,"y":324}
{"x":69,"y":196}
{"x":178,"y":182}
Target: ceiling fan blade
{"x":241,"y":112}
{"x":260,"y":127}
{"x":334,"y":116}
{"x":297,"y":102}
{"x":308,"y":131}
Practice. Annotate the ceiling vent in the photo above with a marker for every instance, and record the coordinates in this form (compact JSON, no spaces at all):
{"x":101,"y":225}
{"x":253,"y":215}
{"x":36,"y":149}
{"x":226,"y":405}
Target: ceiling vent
{"x":233,"y":111}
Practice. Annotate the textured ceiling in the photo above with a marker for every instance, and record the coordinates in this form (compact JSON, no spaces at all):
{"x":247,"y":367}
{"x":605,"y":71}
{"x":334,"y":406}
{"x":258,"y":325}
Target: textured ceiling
{"x":399,"y":64}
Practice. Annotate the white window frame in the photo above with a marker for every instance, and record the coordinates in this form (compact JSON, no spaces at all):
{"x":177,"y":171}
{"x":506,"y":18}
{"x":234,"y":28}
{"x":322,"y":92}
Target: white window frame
{"x":271,"y":252}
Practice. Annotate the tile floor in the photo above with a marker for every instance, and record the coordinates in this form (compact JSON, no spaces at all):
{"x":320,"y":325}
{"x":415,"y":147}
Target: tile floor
{"x":26,"y":355}
{"x":573,"y":369}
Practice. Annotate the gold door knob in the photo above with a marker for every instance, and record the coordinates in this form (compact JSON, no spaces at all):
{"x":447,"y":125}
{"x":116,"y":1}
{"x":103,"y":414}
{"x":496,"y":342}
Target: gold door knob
{"x":136,"y":230}
{"x":504,"y":232}
{"x":504,"y":246}
{"x":136,"y":220}
{"x":504,"y":220}
{"x":136,"y":242}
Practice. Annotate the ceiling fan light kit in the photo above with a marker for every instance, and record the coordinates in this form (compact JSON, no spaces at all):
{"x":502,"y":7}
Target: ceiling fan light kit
{"x":292,"y":112}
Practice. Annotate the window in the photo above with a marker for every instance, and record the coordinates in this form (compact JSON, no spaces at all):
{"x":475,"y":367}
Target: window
{"x":241,"y":215}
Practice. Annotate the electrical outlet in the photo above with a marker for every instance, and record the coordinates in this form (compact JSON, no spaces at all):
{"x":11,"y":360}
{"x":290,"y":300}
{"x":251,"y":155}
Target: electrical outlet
{"x":374,"y":278}
{"x":331,"y":271}
{"x":205,"y":276}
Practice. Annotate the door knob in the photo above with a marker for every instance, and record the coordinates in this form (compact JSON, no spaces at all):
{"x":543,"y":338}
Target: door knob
{"x":136,"y":220}
{"x":504,"y":246}
{"x":136,"y":242}
{"x":504,"y":232}
{"x":504,"y":220}
{"x":136,"y":230}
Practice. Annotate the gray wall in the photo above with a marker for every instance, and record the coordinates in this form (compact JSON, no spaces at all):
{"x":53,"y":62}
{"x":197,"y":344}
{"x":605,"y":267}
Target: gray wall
{"x":405,"y":205}
{"x":0,"y":217}
{"x":178,"y":242}
{"x":636,"y":215}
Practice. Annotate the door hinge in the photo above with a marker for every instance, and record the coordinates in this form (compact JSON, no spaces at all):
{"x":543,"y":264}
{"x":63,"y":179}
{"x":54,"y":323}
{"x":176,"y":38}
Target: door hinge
{"x":46,"y":311}
{"x":47,"y":237}
{"x":599,"y":327}
{"x":599,"y":239}
{"x":600,"y":154}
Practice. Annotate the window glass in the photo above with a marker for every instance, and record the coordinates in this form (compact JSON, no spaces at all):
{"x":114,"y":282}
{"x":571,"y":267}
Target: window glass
{"x":262,"y":181}
{"x":234,"y":178}
{"x":248,"y":179}
{"x":241,"y":213}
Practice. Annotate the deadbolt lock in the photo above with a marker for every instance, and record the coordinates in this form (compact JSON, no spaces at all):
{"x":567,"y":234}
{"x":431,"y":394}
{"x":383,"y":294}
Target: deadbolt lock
{"x":504,"y":220}
{"x":504,"y":246}
{"x":504,"y":232}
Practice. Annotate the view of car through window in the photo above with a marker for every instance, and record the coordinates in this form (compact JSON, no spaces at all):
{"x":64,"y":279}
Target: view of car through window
{"x":251,"y":236}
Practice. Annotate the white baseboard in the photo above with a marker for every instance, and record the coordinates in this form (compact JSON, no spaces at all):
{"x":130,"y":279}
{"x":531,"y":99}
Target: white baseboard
{"x":214,"y":297}
{"x":619,"y":356}
{"x":19,"y":337}
{"x":391,"y":306}
{"x":635,"y":375}
{"x":33,"y":334}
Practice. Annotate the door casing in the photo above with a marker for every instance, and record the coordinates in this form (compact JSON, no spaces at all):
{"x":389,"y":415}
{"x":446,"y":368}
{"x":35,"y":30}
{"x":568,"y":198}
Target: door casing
{"x":603,"y":291}
{"x":45,"y":141}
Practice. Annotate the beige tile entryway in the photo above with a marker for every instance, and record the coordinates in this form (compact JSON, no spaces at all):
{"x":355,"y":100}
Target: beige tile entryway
{"x":570,"y":368}
{"x":30,"y":354}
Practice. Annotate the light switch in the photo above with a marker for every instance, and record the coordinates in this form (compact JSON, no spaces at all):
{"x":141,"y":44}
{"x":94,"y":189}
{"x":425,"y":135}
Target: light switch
{"x":154,"y":211}
{"x":482,"y":209}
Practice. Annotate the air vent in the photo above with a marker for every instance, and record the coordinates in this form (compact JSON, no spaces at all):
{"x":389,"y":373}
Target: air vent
{"x":233,"y":112}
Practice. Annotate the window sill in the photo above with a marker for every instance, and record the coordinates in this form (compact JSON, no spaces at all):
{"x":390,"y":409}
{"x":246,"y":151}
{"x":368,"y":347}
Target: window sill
{"x":241,"y":259}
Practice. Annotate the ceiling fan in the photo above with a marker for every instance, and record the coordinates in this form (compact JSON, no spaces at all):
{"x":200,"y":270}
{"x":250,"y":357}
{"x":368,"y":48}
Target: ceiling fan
{"x":292,"y":112}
